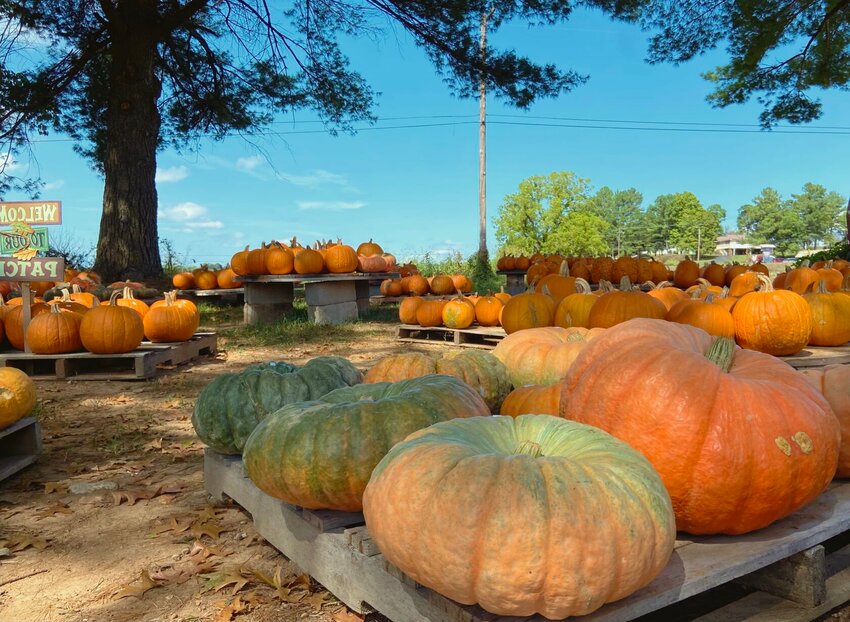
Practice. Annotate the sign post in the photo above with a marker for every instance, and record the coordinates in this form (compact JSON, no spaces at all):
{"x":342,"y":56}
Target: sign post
{"x":20,"y":244}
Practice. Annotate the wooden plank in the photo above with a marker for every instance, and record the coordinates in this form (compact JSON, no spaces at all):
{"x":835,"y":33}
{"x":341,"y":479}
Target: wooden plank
{"x":361,"y":575}
{"x":328,"y":520}
{"x":800,"y":578}
{"x":20,"y":446}
{"x":819,"y":356}
{"x":762,"y":607}
{"x":484,"y":337}
{"x":316,"y":278}
{"x":355,"y":579}
{"x":712,"y":561}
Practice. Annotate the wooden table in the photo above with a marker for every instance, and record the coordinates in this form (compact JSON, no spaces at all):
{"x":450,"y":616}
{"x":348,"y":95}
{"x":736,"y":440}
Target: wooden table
{"x":232,"y":295}
{"x":331,"y":298}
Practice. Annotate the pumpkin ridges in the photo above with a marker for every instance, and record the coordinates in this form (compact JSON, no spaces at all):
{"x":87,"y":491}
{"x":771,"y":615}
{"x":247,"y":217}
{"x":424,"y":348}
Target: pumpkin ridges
{"x":533,"y":400}
{"x":55,"y":332}
{"x":112,"y":329}
{"x":17,"y":395}
{"x":777,"y":322}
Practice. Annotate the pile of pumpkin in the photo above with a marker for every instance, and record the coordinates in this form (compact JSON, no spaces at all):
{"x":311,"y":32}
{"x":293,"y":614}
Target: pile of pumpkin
{"x":86,"y":281}
{"x":591,"y":269}
{"x":814,"y":309}
{"x":537,"y":511}
{"x":79,"y":321}
{"x":206,"y":277}
{"x":278,"y":258}
{"x":414,"y":284}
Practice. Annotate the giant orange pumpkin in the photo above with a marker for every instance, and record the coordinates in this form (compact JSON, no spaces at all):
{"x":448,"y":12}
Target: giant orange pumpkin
{"x":740,"y":438}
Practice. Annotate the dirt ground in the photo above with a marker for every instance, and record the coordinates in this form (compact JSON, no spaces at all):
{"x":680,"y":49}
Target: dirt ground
{"x":152,"y":548}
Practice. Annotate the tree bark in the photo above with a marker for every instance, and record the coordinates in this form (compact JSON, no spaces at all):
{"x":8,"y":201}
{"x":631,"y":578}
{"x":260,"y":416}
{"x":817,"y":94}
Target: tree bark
{"x":128,"y":246}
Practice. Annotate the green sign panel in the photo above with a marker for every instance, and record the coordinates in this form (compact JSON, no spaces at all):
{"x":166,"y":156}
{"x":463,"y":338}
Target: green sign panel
{"x":20,"y":239}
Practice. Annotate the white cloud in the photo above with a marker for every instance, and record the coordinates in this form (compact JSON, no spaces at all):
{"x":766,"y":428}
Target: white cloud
{"x":190,"y":215}
{"x":54,"y":185}
{"x":171,"y":174}
{"x":317,"y":178}
{"x":332,"y":206}
{"x":9,"y":165}
{"x":251,"y":163}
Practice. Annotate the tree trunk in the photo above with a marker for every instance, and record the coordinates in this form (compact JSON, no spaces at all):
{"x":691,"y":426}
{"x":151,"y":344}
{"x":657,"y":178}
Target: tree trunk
{"x":128,"y":246}
{"x":483,"y":255}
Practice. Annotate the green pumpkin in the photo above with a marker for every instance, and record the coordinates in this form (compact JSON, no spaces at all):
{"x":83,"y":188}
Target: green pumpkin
{"x":320,"y":454}
{"x":480,"y":370}
{"x":231,"y":406}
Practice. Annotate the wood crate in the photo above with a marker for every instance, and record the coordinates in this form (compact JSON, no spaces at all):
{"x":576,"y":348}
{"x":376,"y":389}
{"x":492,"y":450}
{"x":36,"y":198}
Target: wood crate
{"x":819,"y":356}
{"x":786,"y":558}
{"x":20,"y":445}
{"x":140,"y":364}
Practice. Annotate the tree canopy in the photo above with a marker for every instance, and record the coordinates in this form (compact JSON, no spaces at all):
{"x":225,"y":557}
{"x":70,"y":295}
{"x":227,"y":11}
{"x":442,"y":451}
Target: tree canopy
{"x":807,"y":220}
{"x":559,"y":213}
{"x":780,"y":51}
{"x":125,"y":78}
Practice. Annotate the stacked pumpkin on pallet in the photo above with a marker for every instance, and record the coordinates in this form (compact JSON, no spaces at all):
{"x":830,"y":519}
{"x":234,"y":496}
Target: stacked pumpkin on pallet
{"x":80,"y":321}
{"x":412,"y":283}
{"x":459,"y":312}
{"x":281,"y":259}
{"x":206,"y":278}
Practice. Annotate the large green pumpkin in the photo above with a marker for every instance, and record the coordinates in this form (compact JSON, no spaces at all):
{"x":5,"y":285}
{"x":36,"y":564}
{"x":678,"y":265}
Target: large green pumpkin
{"x":480,"y":370}
{"x":320,"y":454}
{"x":231,"y":406}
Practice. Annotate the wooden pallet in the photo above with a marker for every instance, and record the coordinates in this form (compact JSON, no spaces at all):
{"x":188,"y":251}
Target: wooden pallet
{"x":335,"y":548}
{"x":235,"y":295}
{"x":20,"y":445}
{"x":819,"y":356}
{"x":140,"y":364}
{"x":482,"y":337}
{"x":389,"y":300}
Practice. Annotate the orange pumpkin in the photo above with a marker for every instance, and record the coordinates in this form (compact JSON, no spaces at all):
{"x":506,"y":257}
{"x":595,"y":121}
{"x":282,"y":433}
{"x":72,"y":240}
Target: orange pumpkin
{"x":371,"y":263}
{"x":239,"y":263}
{"x":714,"y":274}
{"x":369,"y":249}
{"x":430,"y":313}
{"x":183,"y":280}
{"x":206,"y":279}
{"x":830,"y":317}
{"x":487,"y":310}
{"x":407,"y":309}
{"x":308,"y":261}
{"x":533,"y":400}
{"x":226,"y":278}
{"x":528,"y":310}
{"x":13,"y":322}
{"x":390,"y":288}
{"x":746,"y":425}
{"x":280,"y":259}
{"x":112,"y":328}
{"x":128,"y":300}
{"x":442,"y":285}
{"x":574,"y":310}
{"x":542,"y":355}
{"x":55,"y":332}
{"x":462,"y":283}
{"x":833,"y":381}
{"x":619,"y":306}
{"x":744,"y":283}
{"x":171,"y":320}
{"x":256,"y":263}
{"x":667,"y":294}
{"x":686,"y":273}
{"x":417,"y":285}
{"x":340,"y":259}
{"x":704,"y":314}
{"x":802,"y":279}
{"x":559,"y":285}
{"x":777,"y":322}
{"x":733,"y":270}
{"x":458,"y":313}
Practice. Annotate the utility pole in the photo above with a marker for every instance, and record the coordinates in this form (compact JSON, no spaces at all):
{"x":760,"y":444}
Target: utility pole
{"x":699,"y":242}
{"x":482,"y":140}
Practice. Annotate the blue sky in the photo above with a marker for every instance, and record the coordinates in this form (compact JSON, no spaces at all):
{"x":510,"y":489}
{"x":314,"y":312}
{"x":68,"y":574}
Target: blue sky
{"x":415,"y":189}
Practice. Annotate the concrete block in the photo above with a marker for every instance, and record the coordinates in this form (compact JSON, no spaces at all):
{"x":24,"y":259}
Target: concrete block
{"x":265,"y":313}
{"x":268,"y":293}
{"x":329,"y":293}
{"x":334,"y":313}
{"x":362,"y":306}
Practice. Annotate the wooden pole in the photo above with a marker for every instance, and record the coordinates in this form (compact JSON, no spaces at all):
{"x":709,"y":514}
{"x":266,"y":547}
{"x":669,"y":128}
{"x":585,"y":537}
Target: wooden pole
{"x":482,"y":141}
{"x":27,"y":310}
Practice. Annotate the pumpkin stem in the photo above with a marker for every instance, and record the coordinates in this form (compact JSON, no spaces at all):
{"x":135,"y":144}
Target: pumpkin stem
{"x":113,"y":299}
{"x":582,"y":286}
{"x":565,"y":268}
{"x":529,"y":448}
{"x":721,"y":353}
{"x":764,"y":283}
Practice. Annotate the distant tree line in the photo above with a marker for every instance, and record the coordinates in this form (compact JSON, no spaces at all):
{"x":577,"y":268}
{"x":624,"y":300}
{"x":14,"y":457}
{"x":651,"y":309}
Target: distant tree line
{"x":560,"y":213}
{"x":809,"y":220}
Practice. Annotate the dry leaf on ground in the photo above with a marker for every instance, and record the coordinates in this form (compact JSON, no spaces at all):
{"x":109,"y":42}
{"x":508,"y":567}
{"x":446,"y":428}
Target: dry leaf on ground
{"x":138,"y":587}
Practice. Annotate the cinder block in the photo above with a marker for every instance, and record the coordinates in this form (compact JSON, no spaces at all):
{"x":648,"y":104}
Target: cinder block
{"x":329,"y":293}
{"x":334,"y":313}
{"x":268,"y":293}
{"x":265,"y":313}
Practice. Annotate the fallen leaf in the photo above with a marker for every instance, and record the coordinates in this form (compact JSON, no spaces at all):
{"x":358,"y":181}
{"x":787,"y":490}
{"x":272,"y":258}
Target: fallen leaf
{"x":212,"y":530}
{"x":227,"y":611}
{"x":138,"y":587}
{"x":174,"y":488}
{"x":174,"y":525}
{"x":21,"y":543}
{"x":234,"y":575}
{"x":51,"y":487}
{"x":200,"y":551}
{"x":154,"y":445}
{"x":317,"y":600}
{"x":56,"y":508}
{"x":346,"y":615}
{"x":132,"y":496}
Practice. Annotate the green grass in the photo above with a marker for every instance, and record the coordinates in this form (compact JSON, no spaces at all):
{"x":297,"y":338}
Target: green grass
{"x":294,"y":330}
